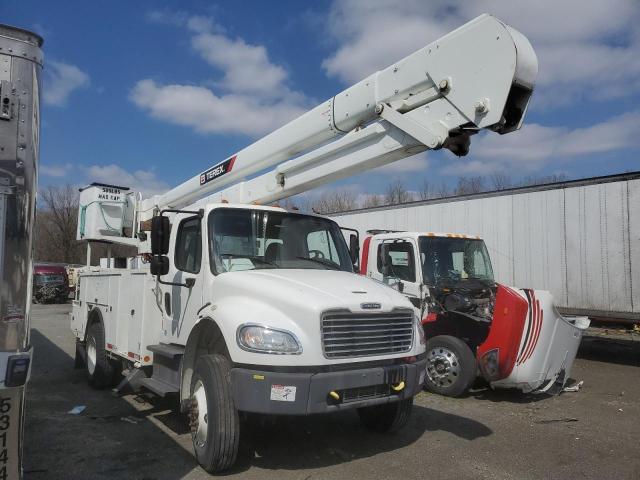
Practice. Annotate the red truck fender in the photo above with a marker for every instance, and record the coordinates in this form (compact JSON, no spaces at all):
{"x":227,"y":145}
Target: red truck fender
{"x":497,"y":355}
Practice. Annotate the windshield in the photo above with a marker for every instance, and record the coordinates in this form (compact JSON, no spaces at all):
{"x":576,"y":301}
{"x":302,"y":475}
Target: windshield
{"x":42,"y":278}
{"x":243,"y":239}
{"x":454,"y":259}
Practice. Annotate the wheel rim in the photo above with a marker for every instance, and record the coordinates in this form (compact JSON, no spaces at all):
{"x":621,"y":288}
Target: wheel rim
{"x":199,"y":404}
{"x":443,"y":366}
{"x":92,"y":355}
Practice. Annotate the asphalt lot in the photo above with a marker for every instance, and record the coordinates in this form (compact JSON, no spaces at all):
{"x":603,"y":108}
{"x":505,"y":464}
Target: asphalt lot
{"x":593,"y":433}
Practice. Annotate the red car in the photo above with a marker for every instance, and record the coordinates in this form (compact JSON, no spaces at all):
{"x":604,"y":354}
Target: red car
{"x":50,"y":283}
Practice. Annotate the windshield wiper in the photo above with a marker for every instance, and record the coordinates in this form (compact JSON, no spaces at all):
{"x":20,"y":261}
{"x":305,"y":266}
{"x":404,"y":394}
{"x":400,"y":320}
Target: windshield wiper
{"x":322,"y":261}
{"x":253,"y":258}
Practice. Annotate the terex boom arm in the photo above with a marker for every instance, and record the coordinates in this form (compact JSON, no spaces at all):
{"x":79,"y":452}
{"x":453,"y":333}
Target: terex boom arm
{"x":479,"y":76}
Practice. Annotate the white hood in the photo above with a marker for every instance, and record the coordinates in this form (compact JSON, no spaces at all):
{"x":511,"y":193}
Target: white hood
{"x":317,"y":290}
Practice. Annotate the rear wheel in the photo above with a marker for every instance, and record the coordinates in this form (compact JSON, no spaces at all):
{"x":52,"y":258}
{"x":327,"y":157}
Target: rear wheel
{"x":451,"y":366}
{"x":214,"y":420}
{"x":100,"y":368}
{"x":388,"y":417}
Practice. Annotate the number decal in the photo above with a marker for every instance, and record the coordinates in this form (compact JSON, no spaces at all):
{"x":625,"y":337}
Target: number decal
{"x":5,"y":423}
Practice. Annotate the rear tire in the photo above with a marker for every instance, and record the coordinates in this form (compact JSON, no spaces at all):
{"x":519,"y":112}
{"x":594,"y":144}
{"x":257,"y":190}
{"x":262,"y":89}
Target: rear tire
{"x":451,"y":366}
{"x":215,"y":423}
{"x":99,"y":367}
{"x":388,"y":417}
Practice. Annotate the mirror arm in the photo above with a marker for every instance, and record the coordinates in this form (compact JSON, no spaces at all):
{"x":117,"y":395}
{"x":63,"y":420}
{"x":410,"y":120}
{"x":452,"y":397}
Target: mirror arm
{"x":188,"y":283}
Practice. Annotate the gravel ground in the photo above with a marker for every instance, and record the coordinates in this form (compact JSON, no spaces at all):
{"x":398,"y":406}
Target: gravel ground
{"x":593,"y":433}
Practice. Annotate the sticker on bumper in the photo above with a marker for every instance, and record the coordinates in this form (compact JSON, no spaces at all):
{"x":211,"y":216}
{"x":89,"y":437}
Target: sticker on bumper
{"x":283,"y":393}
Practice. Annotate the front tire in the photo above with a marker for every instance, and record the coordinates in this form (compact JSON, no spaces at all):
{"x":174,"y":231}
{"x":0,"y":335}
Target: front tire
{"x":388,"y":417}
{"x":215,"y":424}
{"x":99,"y":367}
{"x":451,"y":366}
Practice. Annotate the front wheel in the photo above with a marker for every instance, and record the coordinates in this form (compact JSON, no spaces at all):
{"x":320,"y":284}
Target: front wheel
{"x":451,"y":366}
{"x":388,"y":417}
{"x":214,"y":420}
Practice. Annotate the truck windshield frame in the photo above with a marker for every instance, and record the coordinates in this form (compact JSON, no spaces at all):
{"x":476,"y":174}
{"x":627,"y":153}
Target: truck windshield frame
{"x":454,"y":259}
{"x":251,"y":239}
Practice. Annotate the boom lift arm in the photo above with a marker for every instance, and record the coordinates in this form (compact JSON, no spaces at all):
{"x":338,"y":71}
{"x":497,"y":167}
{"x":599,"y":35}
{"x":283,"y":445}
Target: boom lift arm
{"x":479,"y":76}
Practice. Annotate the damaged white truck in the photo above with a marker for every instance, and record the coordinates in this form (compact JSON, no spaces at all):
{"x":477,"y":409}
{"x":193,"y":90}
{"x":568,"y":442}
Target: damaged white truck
{"x":250,"y":308}
{"x":512,"y":337}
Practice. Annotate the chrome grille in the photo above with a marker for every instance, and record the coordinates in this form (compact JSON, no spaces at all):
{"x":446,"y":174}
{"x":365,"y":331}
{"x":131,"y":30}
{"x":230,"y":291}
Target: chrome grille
{"x":348,"y":334}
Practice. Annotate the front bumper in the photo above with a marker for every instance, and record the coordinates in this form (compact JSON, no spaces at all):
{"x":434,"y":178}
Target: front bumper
{"x":303,"y":393}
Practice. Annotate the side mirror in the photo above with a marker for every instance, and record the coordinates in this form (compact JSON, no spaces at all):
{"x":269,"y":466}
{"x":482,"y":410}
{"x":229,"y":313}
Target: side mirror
{"x":354,"y":249}
{"x":159,"y":265}
{"x":160,"y":231}
{"x":384,"y":260}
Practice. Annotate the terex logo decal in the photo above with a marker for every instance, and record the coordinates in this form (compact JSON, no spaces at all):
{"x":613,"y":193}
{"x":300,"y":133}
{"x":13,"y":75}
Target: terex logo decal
{"x":218,"y":170}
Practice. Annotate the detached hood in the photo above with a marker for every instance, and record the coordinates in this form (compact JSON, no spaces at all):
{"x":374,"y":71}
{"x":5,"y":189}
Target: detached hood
{"x":312,"y":289}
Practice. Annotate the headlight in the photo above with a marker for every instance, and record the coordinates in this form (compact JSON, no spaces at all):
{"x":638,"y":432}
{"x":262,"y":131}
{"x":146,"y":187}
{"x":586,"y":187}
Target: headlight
{"x":261,"y":339}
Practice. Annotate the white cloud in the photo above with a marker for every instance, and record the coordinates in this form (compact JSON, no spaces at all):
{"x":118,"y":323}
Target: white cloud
{"x":144,"y":181}
{"x":199,"y":108}
{"x":61,"y":80}
{"x":535,"y":146}
{"x":585,"y":50}
{"x":251,"y":98}
{"x":55,"y":171}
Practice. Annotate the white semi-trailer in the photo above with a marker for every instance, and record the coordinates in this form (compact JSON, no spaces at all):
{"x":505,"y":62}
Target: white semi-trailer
{"x":245,"y":307}
{"x":20,"y":66}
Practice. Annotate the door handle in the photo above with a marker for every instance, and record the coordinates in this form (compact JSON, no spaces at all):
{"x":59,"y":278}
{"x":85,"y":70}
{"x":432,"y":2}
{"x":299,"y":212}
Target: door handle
{"x":167,"y":303}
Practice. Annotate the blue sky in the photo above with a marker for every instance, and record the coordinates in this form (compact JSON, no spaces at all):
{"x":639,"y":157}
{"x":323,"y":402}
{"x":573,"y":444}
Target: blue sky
{"x":148,"y":94}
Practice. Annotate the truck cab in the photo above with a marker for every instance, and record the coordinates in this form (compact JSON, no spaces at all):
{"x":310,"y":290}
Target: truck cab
{"x":512,"y":337}
{"x":257,"y":302}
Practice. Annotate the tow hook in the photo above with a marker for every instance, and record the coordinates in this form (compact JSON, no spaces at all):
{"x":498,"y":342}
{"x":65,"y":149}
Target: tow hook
{"x":399,"y":387}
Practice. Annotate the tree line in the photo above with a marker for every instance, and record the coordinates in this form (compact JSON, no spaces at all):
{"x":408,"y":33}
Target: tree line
{"x":57,"y":210}
{"x":397,"y":192}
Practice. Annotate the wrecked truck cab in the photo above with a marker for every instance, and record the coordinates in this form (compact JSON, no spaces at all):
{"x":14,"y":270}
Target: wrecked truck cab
{"x":512,"y":337}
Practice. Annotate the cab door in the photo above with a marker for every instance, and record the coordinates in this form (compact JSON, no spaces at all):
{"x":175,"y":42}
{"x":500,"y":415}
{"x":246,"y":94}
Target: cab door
{"x":397,"y":265}
{"x":180,"y":303}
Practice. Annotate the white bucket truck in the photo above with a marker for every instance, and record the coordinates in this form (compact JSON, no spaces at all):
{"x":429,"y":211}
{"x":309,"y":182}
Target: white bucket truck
{"x":251,"y":308}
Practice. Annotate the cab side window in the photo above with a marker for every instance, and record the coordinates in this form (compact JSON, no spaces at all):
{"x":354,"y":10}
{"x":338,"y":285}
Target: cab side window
{"x":400,"y":260}
{"x":189,"y":245}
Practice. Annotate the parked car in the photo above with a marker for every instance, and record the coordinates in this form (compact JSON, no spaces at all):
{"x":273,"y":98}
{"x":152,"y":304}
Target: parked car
{"x":50,"y":284}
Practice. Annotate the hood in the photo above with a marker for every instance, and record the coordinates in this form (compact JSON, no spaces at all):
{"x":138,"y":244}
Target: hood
{"x":315,"y":289}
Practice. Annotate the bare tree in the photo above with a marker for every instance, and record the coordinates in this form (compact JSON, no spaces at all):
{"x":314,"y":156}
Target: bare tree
{"x":500,"y":181}
{"x":397,"y":193}
{"x":336,"y":201}
{"x":56,"y":223}
{"x":427,"y":191}
{"x":442,"y":191}
{"x":372,"y":200}
{"x":543,"y":180}
{"x":467,"y":185}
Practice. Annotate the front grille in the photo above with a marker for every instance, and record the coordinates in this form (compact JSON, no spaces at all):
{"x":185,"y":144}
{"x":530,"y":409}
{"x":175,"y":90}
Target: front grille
{"x":347,"y":334}
{"x":365,"y":393}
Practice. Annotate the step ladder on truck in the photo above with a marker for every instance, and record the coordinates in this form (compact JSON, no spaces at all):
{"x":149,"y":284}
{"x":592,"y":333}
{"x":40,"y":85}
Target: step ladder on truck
{"x":512,"y":337}
{"x":20,"y":68}
{"x":251,"y":308}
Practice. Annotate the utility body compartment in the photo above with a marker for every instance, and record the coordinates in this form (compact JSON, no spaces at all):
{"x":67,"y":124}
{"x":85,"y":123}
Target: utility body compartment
{"x":126,"y":301}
